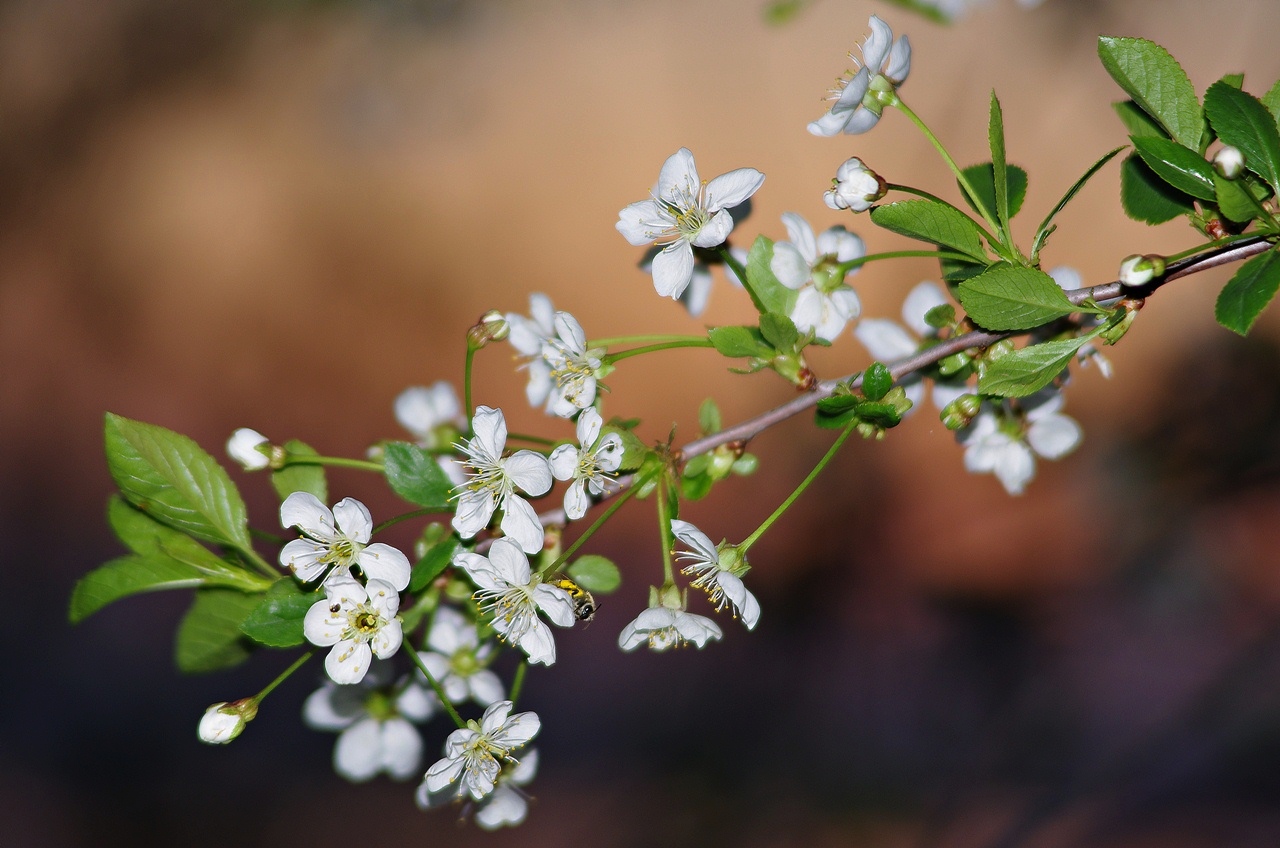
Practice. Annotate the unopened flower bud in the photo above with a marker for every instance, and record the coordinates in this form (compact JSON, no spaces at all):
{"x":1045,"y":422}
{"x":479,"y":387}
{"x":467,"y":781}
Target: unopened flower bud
{"x":960,"y":412}
{"x":1138,"y":270}
{"x":224,"y":721}
{"x":1228,"y":162}
{"x":249,"y":448}
{"x":492,"y":327}
{"x":855,"y":187}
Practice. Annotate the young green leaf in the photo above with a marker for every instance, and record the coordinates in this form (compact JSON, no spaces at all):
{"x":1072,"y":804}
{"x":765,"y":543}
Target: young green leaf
{"x":1157,"y":83}
{"x":209,"y":636}
{"x":982,"y":178}
{"x":779,"y":331}
{"x":1147,"y":198}
{"x":1181,"y":168}
{"x":414,"y":475}
{"x":1242,"y":121}
{"x":595,"y":574}
{"x":1272,"y":101}
{"x":433,"y":562}
{"x":1000,"y":173}
{"x":1248,"y":292}
{"x":774,"y":295}
{"x":129,"y":575}
{"x":168,"y":476}
{"x":709,"y":420}
{"x":876,"y":381}
{"x":1138,"y":122}
{"x":1046,"y":226}
{"x":1009,"y":297}
{"x":300,"y":478}
{"x":740,"y":341}
{"x":277,"y":619}
{"x":932,"y":221}
{"x":1028,"y":370}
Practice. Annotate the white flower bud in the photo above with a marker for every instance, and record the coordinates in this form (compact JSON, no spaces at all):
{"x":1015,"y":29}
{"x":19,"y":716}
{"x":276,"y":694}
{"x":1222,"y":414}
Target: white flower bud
{"x":1228,"y":162}
{"x":856,"y":187}
{"x":221,"y":723}
{"x":244,"y":447}
{"x":1138,"y":270}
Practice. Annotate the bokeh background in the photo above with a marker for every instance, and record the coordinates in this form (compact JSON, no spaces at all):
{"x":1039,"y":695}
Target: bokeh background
{"x":279,"y":215}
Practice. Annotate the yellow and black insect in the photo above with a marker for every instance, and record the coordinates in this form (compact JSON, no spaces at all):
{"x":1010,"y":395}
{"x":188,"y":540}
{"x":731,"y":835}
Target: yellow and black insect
{"x":584,"y":606}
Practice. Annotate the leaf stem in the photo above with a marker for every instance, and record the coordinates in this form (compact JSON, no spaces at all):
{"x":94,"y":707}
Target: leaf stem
{"x":416,"y":513}
{"x":517,"y":683}
{"x":466,"y":380}
{"x":692,"y":341}
{"x":610,"y":341}
{"x":444,"y":699}
{"x":664,"y":533}
{"x":336,"y":461}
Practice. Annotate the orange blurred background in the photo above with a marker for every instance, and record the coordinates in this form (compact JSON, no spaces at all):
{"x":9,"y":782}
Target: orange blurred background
{"x":279,"y":215}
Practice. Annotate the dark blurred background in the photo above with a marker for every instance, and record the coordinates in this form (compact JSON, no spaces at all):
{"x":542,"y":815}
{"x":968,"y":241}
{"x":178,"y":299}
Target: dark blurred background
{"x":279,"y":214}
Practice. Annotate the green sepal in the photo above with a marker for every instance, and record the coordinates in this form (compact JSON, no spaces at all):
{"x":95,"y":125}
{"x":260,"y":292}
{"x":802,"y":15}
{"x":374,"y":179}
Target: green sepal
{"x":300,"y":478}
{"x":433,"y":562}
{"x":276,"y":621}
{"x":1248,"y":292}
{"x":413,"y":474}
{"x":1147,"y":198}
{"x":776,"y":297}
{"x":1184,"y":169}
{"x":934,"y":222}
{"x":1242,"y":121}
{"x":209,"y":636}
{"x":169,"y":477}
{"x":1010,"y":297}
{"x":1157,"y":83}
{"x":1028,"y":370}
{"x":595,"y":574}
{"x":982,"y":178}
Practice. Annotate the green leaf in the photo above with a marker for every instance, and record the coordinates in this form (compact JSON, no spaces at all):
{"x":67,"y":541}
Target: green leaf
{"x":1147,"y":198}
{"x":1272,"y":101}
{"x":209,"y":637}
{"x":126,"y":576}
{"x":942,"y":315}
{"x":932,"y":221}
{"x":779,"y":331}
{"x":695,"y":487}
{"x":1233,"y":199}
{"x":1028,"y":370}
{"x":1248,"y":292}
{"x":1233,"y":80}
{"x":1242,"y":121}
{"x":774,"y":295}
{"x":957,"y":271}
{"x":877,"y":381}
{"x":1009,"y":297}
{"x":709,"y":420}
{"x":1181,"y":168}
{"x":1046,"y":227}
{"x":300,"y":478}
{"x":740,"y":341}
{"x":1157,"y":83}
{"x":276,"y":621}
{"x":1138,"y":122}
{"x":880,"y":414}
{"x":999,"y":168}
{"x":414,"y":475}
{"x":595,"y":574}
{"x":633,"y":450}
{"x":982,"y":178}
{"x":433,"y":562}
{"x":168,"y":476}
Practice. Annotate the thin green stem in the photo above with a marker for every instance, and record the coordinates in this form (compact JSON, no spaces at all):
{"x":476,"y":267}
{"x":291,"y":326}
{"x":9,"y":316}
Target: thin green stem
{"x":664,"y":533}
{"x":846,"y":267}
{"x":444,"y":699}
{"x":596,"y":525}
{"x":466,"y":380}
{"x":692,"y":341}
{"x":283,"y":676}
{"x":804,"y":484}
{"x":610,"y":341}
{"x":417,"y":513}
{"x":336,"y":461}
{"x":742,"y":277}
{"x":951,"y":163}
{"x":517,"y":683}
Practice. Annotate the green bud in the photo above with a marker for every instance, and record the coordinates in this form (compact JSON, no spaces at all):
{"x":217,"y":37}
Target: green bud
{"x":746,"y":465}
{"x":492,"y":327}
{"x":1138,"y":270}
{"x":960,"y":412}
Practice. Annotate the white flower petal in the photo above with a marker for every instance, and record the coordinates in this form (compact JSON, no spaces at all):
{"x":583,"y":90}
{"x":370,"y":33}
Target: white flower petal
{"x":358,"y":754}
{"x":353,"y":519}
{"x":321,"y":625}
{"x":564,"y":462}
{"x":348,"y":661}
{"x":490,"y":427}
{"x":877,"y":46}
{"x":416,"y":703}
{"x":678,"y":177}
{"x":576,"y":501}
{"x":448,"y":627}
{"x":504,"y":807}
{"x":539,"y":644}
{"x":1054,"y":436}
{"x":388,"y":639}
{"x":486,"y":687}
{"x":801,"y":235}
{"x":556,"y":604}
{"x":899,"y":64}
{"x":303,"y":558}
{"x":715,"y":231}
{"x":728,"y":190}
{"x":696,"y":540}
{"x":441,"y":774}
{"x":383,"y":562}
{"x":789,"y":266}
{"x":332,"y":707}
{"x":401,"y":749}
{"x":475,"y":508}
{"x":304,"y":511}
{"x":529,"y":471}
{"x":520,"y":522}
{"x":588,"y":427}
{"x":917,"y":304}
{"x":1015,"y":467}
{"x":509,"y":562}
{"x":884,"y":340}
{"x":672,"y":269}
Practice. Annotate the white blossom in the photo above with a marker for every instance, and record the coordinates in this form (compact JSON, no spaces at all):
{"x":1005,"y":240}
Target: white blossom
{"x":511,"y":595}
{"x":528,"y":334}
{"x":855,"y":187}
{"x":495,"y":480}
{"x":683,"y":212}
{"x":808,"y":266}
{"x":458,"y":661}
{"x":568,"y":383}
{"x":666,"y":624}
{"x":427,"y":410}
{"x":1006,"y":442}
{"x":360,"y":623}
{"x":374,"y":722}
{"x":245,"y":447}
{"x":717,"y":572}
{"x":506,"y":806}
{"x":885,"y":65}
{"x":473,"y":755}
{"x":887,"y":341}
{"x":337,"y":540}
{"x":589,"y":466}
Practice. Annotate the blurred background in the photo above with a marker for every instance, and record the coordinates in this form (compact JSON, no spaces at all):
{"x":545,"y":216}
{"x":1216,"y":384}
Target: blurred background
{"x":280,"y":214}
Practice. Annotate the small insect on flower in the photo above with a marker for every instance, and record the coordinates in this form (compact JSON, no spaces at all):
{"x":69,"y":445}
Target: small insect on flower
{"x":584,"y":605}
